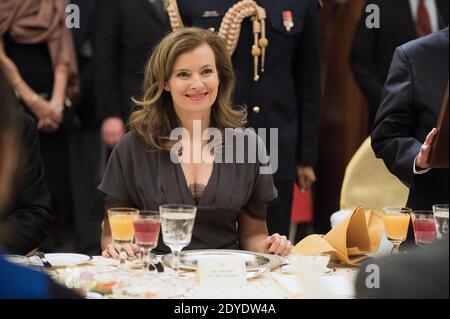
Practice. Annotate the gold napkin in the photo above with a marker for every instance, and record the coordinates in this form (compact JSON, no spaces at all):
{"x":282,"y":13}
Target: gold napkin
{"x":349,"y":241}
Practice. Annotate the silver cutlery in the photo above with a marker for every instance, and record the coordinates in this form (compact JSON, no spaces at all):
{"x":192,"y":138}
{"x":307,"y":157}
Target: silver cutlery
{"x":44,"y":260}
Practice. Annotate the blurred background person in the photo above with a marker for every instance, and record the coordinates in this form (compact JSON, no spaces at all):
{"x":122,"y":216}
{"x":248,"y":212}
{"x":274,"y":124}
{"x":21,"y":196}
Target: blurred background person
{"x":285,"y":96}
{"x":17,"y":281}
{"x":400,"y":21}
{"x":38,"y":59}
{"x":420,"y":274}
{"x":125,"y":34}
{"x":26,"y":220}
{"x":85,"y":149}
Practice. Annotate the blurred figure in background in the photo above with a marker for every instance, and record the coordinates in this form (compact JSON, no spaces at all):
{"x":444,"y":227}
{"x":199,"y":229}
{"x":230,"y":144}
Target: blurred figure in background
{"x":17,"y":281}
{"x":125,"y":34}
{"x":38,"y":59}
{"x":420,"y":274}
{"x":400,"y":21}
{"x":26,"y":220}
{"x":85,"y":145}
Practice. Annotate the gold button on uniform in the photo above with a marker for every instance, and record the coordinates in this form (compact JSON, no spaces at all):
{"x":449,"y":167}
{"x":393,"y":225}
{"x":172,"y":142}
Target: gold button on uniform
{"x":256,"y":109}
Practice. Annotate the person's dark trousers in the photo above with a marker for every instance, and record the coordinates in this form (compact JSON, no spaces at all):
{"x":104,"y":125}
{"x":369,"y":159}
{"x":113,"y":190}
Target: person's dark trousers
{"x":279,"y":210}
{"x":85,"y":153}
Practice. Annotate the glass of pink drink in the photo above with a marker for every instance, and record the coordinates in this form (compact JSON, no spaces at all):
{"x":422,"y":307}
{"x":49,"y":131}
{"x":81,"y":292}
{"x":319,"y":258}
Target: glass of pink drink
{"x":146,"y":233}
{"x":424,"y":227}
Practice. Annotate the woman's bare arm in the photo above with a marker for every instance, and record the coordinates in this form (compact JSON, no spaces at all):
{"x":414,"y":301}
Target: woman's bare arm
{"x":252,"y":233}
{"x":253,"y":236}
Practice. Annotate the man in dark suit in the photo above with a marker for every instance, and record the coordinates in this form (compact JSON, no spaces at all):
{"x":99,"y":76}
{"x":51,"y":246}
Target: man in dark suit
{"x":373,"y":48}
{"x":403,"y":129}
{"x":27,"y":224}
{"x":420,"y":274}
{"x":287,"y":94}
{"x":125,"y":34}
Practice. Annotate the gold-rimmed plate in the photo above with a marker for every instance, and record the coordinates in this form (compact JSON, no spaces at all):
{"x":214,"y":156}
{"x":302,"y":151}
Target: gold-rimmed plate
{"x":253,"y":261}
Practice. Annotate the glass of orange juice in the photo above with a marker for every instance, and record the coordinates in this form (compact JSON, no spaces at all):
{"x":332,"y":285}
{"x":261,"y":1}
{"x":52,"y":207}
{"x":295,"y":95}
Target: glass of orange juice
{"x":396,"y":223}
{"x":122,"y":231}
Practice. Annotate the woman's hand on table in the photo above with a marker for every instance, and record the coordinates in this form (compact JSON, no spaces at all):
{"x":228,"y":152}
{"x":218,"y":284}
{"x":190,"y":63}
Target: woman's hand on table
{"x":113,"y":250}
{"x":277,"y":244}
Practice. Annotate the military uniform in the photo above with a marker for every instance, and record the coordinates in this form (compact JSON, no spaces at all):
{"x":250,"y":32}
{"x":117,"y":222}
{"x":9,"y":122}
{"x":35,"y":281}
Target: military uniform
{"x":287,"y":94}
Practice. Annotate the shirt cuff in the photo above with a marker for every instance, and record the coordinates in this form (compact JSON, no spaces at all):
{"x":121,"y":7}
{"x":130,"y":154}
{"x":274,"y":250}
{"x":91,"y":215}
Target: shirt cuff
{"x":421,"y":171}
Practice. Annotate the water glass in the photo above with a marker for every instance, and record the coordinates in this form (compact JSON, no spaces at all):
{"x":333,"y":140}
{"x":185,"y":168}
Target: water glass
{"x":441,"y":217}
{"x":177,"y":223}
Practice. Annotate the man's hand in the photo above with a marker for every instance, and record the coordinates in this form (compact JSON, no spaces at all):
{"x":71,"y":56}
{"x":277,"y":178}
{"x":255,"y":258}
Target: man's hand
{"x":306,"y":177}
{"x":113,"y":129}
{"x":423,"y":158}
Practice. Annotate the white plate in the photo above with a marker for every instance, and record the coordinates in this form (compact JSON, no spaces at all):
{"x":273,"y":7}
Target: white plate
{"x":61,"y":260}
{"x":253,"y":261}
{"x":17,"y":259}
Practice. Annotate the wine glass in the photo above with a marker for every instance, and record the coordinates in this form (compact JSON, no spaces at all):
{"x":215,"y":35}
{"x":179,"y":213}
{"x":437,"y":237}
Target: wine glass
{"x":441,"y":216}
{"x":177,"y":222}
{"x":122,"y":230}
{"x":424,"y":227}
{"x":146,"y":232}
{"x":396,"y":223}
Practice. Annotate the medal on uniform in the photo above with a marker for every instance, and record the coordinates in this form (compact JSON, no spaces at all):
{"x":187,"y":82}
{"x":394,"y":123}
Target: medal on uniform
{"x":288,"y":21}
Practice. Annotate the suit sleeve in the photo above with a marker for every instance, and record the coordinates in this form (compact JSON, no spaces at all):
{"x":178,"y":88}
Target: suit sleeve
{"x":391,"y":134}
{"x":30,"y":216}
{"x":307,"y":76}
{"x":362,"y":60}
{"x":107,"y":59}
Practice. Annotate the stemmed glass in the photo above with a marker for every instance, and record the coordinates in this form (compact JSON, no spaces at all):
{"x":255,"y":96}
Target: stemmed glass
{"x":177,"y":222}
{"x":441,"y":216}
{"x":146,"y":232}
{"x":424,"y":227}
{"x":122,"y":230}
{"x":396,"y":223}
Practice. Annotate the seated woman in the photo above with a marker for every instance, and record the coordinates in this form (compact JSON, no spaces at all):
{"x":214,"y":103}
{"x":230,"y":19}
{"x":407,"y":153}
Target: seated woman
{"x":189,"y":81}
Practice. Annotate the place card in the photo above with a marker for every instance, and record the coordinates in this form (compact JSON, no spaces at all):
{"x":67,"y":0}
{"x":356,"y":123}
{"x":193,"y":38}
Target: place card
{"x":223,"y":272}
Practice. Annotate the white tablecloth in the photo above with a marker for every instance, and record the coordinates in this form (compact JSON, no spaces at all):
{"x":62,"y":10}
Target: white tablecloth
{"x":138,"y":283}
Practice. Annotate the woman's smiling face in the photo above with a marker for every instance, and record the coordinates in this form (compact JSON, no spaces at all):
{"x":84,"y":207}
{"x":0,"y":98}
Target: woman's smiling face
{"x":194,"y":82}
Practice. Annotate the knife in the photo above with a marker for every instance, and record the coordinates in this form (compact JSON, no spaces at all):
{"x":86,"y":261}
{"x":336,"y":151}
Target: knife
{"x":158,"y":266}
{"x":44,"y":260}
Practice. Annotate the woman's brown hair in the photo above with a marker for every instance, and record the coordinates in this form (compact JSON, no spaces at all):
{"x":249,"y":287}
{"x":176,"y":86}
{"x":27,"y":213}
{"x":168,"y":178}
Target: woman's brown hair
{"x":155,"y":116}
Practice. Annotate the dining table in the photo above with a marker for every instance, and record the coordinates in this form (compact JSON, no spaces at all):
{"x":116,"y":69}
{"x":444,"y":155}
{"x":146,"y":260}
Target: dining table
{"x":105,"y":278}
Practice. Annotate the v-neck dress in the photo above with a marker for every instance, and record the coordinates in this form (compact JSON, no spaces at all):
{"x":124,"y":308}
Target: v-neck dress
{"x":146,"y":179}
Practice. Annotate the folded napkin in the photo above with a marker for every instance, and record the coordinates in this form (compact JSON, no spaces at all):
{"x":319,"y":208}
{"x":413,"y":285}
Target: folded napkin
{"x":349,"y":241}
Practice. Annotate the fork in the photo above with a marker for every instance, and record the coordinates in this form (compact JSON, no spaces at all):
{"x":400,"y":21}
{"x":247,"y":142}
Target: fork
{"x":44,"y":260}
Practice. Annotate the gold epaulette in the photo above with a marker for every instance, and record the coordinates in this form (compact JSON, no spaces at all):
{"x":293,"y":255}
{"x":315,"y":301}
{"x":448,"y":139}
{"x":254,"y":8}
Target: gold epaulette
{"x":230,"y":28}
